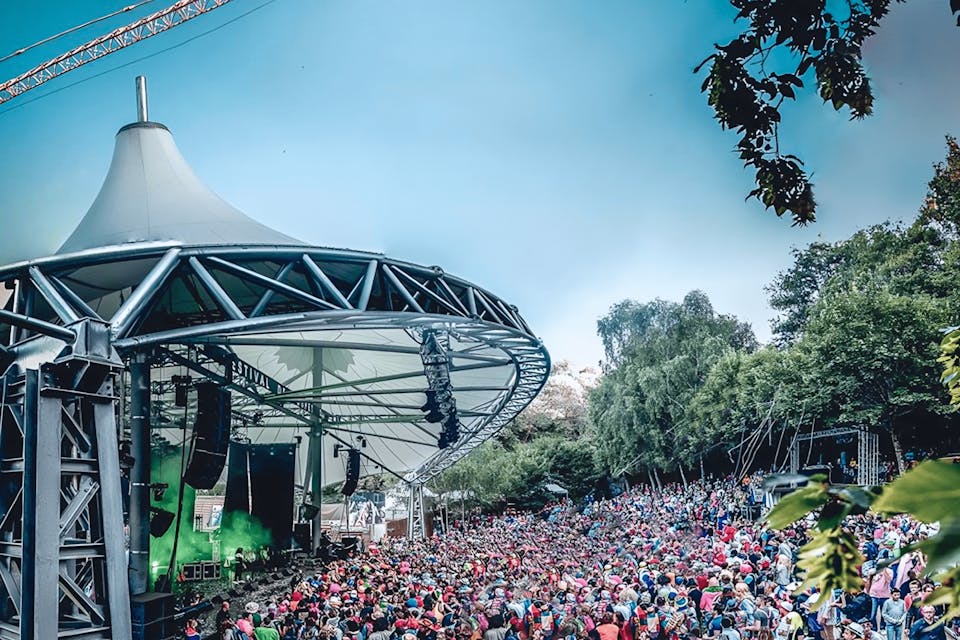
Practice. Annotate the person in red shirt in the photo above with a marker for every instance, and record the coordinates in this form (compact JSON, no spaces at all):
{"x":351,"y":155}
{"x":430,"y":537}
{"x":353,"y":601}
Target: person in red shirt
{"x":729,"y":532}
{"x":607,"y":629}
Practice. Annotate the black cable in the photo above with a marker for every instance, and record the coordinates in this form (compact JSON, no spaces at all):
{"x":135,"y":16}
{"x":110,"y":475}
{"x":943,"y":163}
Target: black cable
{"x":133,"y":62}
{"x":23,"y":50}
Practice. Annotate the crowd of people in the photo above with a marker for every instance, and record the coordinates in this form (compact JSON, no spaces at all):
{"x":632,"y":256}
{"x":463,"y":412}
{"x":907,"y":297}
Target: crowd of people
{"x":675,"y":564}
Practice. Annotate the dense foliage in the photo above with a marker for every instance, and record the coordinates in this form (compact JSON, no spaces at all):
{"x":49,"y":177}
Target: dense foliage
{"x":640,"y":410}
{"x":685,"y":389}
{"x":546,"y":445}
{"x":785,"y":45}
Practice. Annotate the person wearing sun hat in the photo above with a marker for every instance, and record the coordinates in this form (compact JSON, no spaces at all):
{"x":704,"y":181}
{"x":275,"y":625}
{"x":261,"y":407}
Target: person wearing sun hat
{"x":852,"y":631}
{"x":245,"y":622}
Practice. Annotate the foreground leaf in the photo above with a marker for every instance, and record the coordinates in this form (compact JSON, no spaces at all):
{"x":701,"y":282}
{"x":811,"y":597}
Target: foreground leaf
{"x":930,"y":492}
{"x":830,"y":560}
{"x":795,"y":505}
{"x":943,"y":550}
{"x":947,"y":594}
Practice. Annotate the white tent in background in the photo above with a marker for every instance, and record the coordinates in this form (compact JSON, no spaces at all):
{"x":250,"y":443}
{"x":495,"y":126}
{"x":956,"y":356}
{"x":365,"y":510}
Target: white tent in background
{"x":556,"y":489}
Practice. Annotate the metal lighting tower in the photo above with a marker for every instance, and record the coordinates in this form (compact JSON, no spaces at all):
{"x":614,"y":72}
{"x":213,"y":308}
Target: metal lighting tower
{"x":161,"y":277}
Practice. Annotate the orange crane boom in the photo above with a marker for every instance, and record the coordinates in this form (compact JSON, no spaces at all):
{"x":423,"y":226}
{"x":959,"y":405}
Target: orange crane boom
{"x":163,"y":20}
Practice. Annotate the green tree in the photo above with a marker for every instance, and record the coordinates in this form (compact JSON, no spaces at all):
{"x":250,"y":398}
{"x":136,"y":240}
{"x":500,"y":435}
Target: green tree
{"x":638,"y":412}
{"x":748,"y":393}
{"x":873,"y":355}
{"x":626,"y":321}
{"x":906,"y":261}
{"x":784,"y":45}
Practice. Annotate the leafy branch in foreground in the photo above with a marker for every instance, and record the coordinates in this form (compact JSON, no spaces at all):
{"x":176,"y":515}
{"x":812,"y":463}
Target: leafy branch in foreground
{"x":831,"y":560}
{"x":784,"y":43}
{"x":950,"y":359}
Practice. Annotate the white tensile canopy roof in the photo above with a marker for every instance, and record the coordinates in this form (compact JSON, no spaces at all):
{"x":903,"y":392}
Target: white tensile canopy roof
{"x":151,"y":194}
{"x":300,"y":334}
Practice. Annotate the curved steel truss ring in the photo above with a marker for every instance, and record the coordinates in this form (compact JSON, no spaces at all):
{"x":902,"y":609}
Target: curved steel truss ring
{"x":328,"y":289}
{"x":329,"y":279}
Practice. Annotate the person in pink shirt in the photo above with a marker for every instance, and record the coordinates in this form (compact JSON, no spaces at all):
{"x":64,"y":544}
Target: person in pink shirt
{"x":879,"y":591}
{"x":245,"y":623}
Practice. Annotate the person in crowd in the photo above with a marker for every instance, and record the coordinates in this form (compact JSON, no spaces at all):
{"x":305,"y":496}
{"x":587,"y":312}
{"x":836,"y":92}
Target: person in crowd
{"x":894,"y":614}
{"x":879,"y":587}
{"x":927,"y":627}
{"x":239,"y":564}
{"x":679,"y":563}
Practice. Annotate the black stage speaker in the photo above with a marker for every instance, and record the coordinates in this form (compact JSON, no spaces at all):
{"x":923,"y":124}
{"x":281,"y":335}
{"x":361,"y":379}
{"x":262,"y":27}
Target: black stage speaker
{"x":152,"y":616}
{"x":303,"y":535}
{"x":268,"y":470}
{"x":211,"y":436}
{"x":160,"y":521}
{"x":353,"y":473}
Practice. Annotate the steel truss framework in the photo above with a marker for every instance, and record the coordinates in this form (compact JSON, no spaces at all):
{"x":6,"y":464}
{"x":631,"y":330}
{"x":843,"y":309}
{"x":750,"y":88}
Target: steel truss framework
{"x":868,"y":469}
{"x":191,"y":306}
{"x":416,"y":526}
{"x":60,"y":495}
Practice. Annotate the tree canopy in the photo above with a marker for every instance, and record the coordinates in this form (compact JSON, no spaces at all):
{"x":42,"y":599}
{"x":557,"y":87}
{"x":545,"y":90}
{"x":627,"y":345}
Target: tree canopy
{"x":784,"y":46}
{"x":856,"y":345}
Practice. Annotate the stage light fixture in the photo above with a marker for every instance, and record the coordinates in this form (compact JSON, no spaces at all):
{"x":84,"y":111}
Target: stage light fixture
{"x":159,"y":488}
{"x":160,"y":521}
{"x":181,"y":384}
{"x":127,"y":461}
{"x":432,"y":407}
{"x":308,"y":511}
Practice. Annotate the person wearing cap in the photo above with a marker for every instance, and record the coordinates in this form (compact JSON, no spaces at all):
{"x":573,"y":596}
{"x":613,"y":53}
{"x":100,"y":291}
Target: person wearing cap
{"x":852,"y":631}
{"x":245,"y":622}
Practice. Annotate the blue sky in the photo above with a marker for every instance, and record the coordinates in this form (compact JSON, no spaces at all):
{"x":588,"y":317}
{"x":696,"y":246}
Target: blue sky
{"x":556,"y":152}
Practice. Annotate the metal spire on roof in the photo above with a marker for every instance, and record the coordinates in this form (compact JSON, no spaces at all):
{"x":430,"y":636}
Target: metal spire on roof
{"x":142,"y":99}
{"x":151,"y":194}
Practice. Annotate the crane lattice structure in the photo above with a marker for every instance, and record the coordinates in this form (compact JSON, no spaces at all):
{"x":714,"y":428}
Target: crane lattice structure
{"x":148,"y":26}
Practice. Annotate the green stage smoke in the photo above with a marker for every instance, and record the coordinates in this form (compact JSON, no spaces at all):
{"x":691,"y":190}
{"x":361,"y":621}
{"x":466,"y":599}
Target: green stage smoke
{"x":240,"y":529}
{"x":194,"y":546}
{"x":236,"y":530}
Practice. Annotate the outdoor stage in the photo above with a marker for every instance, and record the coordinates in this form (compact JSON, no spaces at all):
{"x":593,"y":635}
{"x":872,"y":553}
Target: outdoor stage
{"x":171,"y":323}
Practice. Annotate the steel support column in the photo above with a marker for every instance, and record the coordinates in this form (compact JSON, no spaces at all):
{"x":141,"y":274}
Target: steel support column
{"x":316,"y":482}
{"x":416,"y":529}
{"x":62,"y":562}
{"x":868,"y":454}
{"x":316,"y":453}
{"x":41,"y":510}
{"x":140,"y":474}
